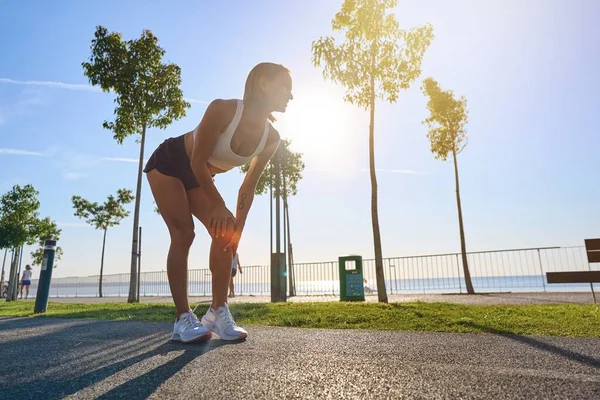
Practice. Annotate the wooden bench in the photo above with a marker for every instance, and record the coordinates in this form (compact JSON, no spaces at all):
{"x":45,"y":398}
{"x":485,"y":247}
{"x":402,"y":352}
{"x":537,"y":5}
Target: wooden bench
{"x":592,"y":249}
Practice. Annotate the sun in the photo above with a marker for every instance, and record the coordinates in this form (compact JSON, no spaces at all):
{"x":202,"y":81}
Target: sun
{"x":322,"y":126}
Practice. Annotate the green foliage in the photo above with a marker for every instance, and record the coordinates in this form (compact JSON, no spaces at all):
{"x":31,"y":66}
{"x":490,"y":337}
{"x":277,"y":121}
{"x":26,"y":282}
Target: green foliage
{"x":47,"y":230}
{"x":447,"y":119}
{"x":376,"y":50}
{"x":37,"y":256}
{"x":147,"y":90}
{"x":20,"y":222}
{"x":292,"y":168}
{"x":106,"y":215}
{"x":19,"y":216}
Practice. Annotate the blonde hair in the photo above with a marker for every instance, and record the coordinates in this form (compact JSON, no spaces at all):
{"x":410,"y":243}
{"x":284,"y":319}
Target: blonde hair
{"x":252,"y":90}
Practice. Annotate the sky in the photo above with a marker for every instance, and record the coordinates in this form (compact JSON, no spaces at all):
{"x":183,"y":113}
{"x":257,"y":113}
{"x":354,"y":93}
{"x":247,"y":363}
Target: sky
{"x":529,"y":175}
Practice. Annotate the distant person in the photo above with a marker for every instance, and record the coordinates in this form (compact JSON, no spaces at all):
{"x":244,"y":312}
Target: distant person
{"x":26,"y":281}
{"x":235,"y":265}
{"x":181,"y":175}
{"x":366,"y":286}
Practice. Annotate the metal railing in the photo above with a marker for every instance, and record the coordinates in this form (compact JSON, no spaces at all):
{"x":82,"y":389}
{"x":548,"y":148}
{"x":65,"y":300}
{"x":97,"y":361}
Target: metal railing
{"x":491,"y":271}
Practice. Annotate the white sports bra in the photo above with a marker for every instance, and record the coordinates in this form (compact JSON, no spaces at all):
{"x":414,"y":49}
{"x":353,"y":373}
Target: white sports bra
{"x":223,"y":157}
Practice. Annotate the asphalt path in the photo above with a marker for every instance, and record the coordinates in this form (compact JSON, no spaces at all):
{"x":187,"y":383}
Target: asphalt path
{"x":48,"y":358}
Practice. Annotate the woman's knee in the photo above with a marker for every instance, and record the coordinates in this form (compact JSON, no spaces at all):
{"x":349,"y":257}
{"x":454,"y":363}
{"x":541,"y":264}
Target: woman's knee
{"x":220,"y":242}
{"x":182,"y":238}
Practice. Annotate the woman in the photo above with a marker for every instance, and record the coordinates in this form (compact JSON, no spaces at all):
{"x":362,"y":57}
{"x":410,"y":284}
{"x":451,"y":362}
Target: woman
{"x":26,"y":280}
{"x":180,"y":173}
{"x":235,"y":265}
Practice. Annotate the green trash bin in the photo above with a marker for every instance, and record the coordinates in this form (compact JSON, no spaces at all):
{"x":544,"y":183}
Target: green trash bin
{"x":352,"y":287}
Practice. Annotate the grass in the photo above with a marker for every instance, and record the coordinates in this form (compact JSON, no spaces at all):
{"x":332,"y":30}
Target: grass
{"x":571,"y":320}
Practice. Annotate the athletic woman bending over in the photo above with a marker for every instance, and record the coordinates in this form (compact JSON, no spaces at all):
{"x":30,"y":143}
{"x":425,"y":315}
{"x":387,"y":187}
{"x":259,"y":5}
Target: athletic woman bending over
{"x":180,"y":173}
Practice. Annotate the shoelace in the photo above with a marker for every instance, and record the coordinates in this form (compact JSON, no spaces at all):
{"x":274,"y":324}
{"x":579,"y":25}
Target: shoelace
{"x":226,"y":316}
{"x":194,"y":310}
{"x":192,"y":319}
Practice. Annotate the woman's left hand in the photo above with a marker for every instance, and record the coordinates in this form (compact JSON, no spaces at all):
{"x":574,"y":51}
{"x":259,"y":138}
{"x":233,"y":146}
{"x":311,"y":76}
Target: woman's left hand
{"x":235,"y":239}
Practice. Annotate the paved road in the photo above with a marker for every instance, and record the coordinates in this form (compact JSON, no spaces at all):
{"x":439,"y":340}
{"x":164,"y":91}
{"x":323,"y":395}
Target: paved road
{"x":46,"y":358}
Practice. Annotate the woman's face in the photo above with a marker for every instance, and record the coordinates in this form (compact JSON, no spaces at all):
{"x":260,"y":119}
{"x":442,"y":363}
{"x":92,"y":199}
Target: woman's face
{"x":278,"y":91}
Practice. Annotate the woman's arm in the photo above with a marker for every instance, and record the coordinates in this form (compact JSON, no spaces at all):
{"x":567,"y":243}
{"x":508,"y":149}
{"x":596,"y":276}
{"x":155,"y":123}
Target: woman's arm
{"x":204,"y":144}
{"x":246,"y":192}
{"x":206,"y":138}
{"x":257,"y":166}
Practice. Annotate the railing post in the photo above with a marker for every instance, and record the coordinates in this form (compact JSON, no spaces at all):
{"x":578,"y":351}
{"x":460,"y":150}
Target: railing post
{"x":541,"y":270}
{"x":458,"y":268}
{"x":394,"y":280}
{"x":333,"y":280}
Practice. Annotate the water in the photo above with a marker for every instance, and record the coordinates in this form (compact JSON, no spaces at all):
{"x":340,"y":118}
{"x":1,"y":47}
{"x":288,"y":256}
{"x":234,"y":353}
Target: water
{"x":158,"y":286}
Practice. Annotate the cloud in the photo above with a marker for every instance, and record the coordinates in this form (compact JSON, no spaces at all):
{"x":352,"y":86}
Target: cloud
{"x":75,"y":86}
{"x":24,"y":104}
{"x":58,"y":85}
{"x":20,"y":152}
{"x":74,"y":164}
{"x":73,"y":176}
{"x":196,"y":101}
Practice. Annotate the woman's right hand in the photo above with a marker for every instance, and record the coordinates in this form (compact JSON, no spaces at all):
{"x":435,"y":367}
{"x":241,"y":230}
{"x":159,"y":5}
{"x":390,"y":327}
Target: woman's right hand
{"x":222,"y":222}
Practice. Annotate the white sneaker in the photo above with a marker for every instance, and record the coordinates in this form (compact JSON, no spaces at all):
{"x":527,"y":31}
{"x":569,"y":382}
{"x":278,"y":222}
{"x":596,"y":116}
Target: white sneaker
{"x":221,"y":322}
{"x":187,"y":329}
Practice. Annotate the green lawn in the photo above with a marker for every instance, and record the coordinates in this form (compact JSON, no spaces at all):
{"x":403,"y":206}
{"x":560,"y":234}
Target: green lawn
{"x":553,"y":319}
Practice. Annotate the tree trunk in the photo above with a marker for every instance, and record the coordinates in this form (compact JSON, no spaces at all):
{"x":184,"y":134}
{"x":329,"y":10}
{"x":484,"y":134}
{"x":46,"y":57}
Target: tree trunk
{"x":463,"y":246}
{"x":101,"y":265}
{"x":136,"y":220}
{"x":20,"y":262}
{"x":286,"y":211}
{"x":2,"y":275}
{"x":13,"y":277}
{"x":381,"y":291}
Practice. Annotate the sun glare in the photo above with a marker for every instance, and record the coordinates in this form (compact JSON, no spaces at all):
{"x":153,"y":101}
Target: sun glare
{"x":323,"y":127}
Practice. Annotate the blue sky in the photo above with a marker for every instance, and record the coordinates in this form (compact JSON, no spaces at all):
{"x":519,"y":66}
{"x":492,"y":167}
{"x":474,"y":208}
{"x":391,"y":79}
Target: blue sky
{"x":529,"y":176}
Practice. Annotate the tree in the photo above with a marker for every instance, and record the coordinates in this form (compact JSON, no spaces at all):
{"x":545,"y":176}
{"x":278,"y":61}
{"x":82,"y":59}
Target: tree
{"x":147,"y":96}
{"x":103,"y":216}
{"x":20,"y":224}
{"x":446,"y":122}
{"x":291,"y":174}
{"x":37,"y":255}
{"x":376,"y":61}
{"x":48,"y":230}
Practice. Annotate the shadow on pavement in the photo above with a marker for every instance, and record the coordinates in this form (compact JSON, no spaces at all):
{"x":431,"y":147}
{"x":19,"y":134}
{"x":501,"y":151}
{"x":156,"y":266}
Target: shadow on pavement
{"x":538,"y":344}
{"x":69,"y":357}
